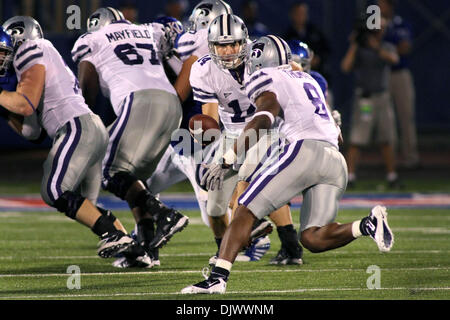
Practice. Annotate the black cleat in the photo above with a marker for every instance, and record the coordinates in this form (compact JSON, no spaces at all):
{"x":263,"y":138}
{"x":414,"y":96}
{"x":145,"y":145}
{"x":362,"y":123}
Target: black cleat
{"x":114,"y":243}
{"x":134,"y":256}
{"x":261,"y":228}
{"x":166,"y":226}
{"x":283,"y":258}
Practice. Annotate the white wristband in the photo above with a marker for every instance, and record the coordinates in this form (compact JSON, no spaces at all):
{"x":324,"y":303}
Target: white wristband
{"x":230,"y":156}
{"x":266,"y":113}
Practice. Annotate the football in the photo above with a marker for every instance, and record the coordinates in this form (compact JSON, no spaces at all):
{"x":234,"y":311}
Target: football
{"x":199,"y":126}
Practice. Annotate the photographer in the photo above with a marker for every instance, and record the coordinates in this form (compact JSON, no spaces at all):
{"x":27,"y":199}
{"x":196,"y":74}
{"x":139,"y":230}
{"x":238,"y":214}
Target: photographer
{"x":370,"y":59}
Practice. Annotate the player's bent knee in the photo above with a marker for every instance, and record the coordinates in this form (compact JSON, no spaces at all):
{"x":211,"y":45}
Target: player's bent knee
{"x":120,"y":183}
{"x":216,"y":211}
{"x":69,"y":203}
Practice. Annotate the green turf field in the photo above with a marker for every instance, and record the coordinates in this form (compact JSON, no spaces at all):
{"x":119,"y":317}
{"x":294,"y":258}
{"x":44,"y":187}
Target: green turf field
{"x":37,"y":248}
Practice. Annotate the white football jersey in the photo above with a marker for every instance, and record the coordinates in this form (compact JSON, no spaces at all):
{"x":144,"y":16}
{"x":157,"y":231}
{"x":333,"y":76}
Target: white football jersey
{"x":62,"y":99}
{"x":302,"y":102}
{"x":126,"y":57}
{"x":211,"y":84}
{"x":192,"y":44}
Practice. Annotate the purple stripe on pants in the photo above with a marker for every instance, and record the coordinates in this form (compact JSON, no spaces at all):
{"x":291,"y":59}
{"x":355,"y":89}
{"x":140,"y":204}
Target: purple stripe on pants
{"x":69,"y":155}
{"x":262,"y":183}
{"x":116,"y":141}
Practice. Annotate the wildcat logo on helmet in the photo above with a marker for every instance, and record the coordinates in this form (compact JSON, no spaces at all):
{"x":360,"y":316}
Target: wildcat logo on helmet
{"x":257,"y":50}
{"x":94,"y":21}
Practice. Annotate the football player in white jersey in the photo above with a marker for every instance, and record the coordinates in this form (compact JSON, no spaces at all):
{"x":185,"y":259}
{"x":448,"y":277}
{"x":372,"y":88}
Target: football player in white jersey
{"x":178,"y":163}
{"x":123,"y":59}
{"x":49,"y":89}
{"x":217,"y":82}
{"x":192,"y":45}
{"x":189,"y":47}
{"x":310,"y":164}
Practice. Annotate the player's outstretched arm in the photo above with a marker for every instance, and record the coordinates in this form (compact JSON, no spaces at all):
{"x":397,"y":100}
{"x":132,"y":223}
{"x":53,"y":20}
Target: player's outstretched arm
{"x":25,"y":99}
{"x":212,"y":110}
{"x":182,"y":85}
{"x":267,"y":109}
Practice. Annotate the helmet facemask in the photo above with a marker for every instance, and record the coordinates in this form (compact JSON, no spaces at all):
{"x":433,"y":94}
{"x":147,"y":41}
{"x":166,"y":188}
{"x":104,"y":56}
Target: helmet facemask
{"x":6,"y":58}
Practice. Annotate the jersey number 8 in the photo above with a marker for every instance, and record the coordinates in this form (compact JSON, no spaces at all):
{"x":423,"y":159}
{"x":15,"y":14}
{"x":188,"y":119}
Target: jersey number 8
{"x":314,"y":97}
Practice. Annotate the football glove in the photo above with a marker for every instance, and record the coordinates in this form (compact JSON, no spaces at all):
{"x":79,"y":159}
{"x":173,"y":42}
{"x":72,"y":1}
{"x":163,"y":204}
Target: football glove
{"x":337,"y":117}
{"x":213,"y":177}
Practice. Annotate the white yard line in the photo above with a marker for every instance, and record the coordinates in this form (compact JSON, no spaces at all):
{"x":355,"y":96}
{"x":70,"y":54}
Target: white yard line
{"x":136,"y":294}
{"x":207,"y":254}
{"x":46,"y":275}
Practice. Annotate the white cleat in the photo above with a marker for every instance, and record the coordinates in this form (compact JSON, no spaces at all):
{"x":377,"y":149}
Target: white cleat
{"x":208,"y":286}
{"x":379,"y":230}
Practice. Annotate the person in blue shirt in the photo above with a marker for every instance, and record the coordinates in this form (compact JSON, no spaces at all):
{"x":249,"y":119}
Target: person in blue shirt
{"x":399,"y":33}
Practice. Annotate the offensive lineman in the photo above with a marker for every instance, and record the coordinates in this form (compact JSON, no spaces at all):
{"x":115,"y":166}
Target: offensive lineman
{"x":49,"y":89}
{"x":310,"y":164}
{"x":123,"y":60}
{"x":190,"y":46}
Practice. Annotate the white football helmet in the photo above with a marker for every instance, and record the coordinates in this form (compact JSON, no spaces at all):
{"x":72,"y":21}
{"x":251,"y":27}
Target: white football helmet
{"x":268,"y":51}
{"x":205,"y":12}
{"x":102,"y":17}
{"x":228,"y":29}
{"x":23,"y":28}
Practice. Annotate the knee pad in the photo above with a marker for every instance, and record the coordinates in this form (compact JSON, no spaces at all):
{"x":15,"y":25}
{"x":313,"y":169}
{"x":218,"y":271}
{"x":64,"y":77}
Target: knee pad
{"x":120,"y":183}
{"x":69,"y":203}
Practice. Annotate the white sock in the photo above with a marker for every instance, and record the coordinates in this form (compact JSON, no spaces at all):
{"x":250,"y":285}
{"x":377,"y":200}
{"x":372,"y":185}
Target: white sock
{"x":224,"y":264}
{"x":356,"y":232}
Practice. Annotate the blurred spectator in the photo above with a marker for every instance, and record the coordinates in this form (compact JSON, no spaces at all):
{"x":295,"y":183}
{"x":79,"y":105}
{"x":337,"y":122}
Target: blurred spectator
{"x":250,"y":13}
{"x":129,"y":10}
{"x":399,"y":33}
{"x":302,"y":29}
{"x":177,"y":9}
{"x":370,"y":58}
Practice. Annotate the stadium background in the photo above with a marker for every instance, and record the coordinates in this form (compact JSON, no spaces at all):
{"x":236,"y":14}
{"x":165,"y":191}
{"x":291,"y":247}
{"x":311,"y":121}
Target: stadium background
{"x":429,"y":63}
{"x":36,"y":249}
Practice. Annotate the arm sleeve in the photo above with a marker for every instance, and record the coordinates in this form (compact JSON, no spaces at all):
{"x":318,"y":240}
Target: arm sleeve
{"x":257,"y":83}
{"x":29,"y":54}
{"x":82,"y":50}
{"x":186,"y":45}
